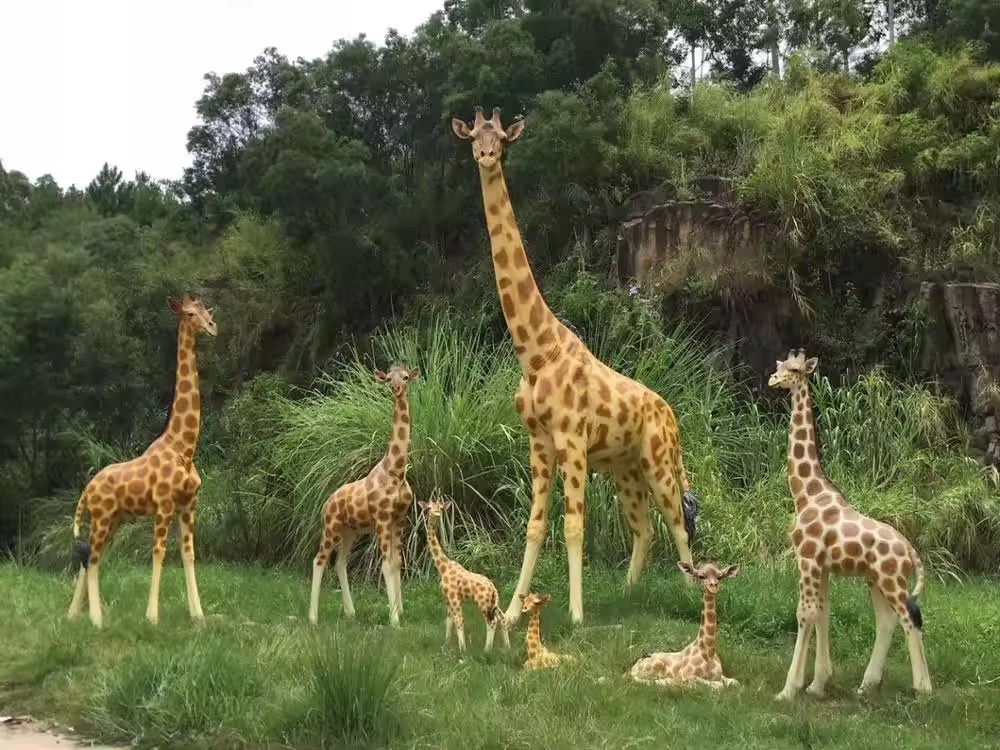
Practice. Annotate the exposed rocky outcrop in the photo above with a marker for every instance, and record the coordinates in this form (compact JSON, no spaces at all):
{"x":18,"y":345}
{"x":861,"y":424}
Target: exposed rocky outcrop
{"x":963,"y":349}
{"x":663,"y":238}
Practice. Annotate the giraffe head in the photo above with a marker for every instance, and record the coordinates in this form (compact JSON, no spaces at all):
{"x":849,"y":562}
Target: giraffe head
{"x":533,"y":602}
{"x":793,"y":371}
{"x":709,"y":575}
{"x":193,"y":313}
{"x":398,"y":377}
{"x":488,"y":138}
{"x":435,"y":507}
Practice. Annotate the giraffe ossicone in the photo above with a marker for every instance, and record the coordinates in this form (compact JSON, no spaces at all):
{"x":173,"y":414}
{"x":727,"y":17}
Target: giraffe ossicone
{"x":697,"y":663}
{"x":162,"y":482}
{"x":378,"y":503}
{"x":579,"y":413}
{"x":459,"y":584}
{"x":829,"y":536}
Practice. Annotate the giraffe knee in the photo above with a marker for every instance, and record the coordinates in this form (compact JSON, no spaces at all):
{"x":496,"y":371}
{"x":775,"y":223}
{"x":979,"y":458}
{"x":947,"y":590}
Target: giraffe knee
{"x":573,"y":528}
{"x":536,"y":529}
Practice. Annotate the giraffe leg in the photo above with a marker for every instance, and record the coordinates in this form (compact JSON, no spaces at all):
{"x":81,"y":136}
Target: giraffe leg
{"x":542,"y":465}
{"x":187,"y":555}
{"x":885,"y":626}
{"x":455,"y":608}
{"x":396,"y":559}
{"x":909,"y":615}
{"x":491,"y":631}
{"x":79,"y":594}
{"x":161,"y":528}
{"x":574,"y":471}
{"x":447,"y":627}
{"x":806,"y":615}
{"x":331,"y":538}
{"x":385,"y":548}
{"x":347,"y":540}
{"x":100,"y":533}
{"x":823,"y":668}
{"x":633,"y":495}
{"x":664,"y":481}
{"x":504,"y":632}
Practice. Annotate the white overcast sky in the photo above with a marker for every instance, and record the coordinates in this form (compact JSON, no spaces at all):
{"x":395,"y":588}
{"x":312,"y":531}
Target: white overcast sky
{"x":88,"y":81}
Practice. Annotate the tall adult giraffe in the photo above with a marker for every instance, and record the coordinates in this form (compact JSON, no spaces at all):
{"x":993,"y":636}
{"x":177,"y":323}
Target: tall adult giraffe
{"x":579,"y":413}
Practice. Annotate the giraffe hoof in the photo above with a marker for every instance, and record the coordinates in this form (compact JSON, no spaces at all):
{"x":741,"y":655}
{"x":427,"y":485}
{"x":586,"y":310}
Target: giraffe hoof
{"x":785,"y":695}
{"x":815,"y":691}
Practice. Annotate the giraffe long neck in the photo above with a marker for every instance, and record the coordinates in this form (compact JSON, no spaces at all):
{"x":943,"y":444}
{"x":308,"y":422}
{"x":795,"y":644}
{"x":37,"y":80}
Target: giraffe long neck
{"x":536,"y":332}
{"x":437,"y":552}
{"x":803,"y":457}
{"x":709,"y":626}
{"x":399,"y":442}
{"x":184,"y":424}
{"x":534,"y":637}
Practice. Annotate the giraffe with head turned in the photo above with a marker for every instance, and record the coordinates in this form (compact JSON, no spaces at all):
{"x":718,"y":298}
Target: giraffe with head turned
{"x":161,"y":482}
{"x":829,"y":536}
{"x":698,"y":662}
{"x":377,"y":503}
{"x":579,"y":413}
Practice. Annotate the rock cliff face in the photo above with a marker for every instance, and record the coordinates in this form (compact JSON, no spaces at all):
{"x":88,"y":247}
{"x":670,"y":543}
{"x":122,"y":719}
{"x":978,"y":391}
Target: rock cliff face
{"x":963,"y":349}
{"x":661,"y":239}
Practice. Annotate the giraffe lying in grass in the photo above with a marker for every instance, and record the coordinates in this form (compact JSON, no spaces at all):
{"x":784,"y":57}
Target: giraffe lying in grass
{"x":459,"y":584}
{"x":539,"y":657}
{"x":696,"y":663}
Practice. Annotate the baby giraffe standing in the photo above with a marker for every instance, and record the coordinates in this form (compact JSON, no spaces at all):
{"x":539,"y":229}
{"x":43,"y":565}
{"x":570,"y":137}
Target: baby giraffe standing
{"x":697,"y":663}
{"x":539,"y":657}
{"x":377,"y":503}
{"x":459,"y":584}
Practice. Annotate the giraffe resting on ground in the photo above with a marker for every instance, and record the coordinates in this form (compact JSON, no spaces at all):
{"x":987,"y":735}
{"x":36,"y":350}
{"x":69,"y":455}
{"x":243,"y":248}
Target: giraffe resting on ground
{"x":578,"y":412}
{"x":698,"y":662}
{"x":539,"y":657}
{"x":459,"y":584}
{"x":159,"y":483}
{"x":377,"y":503}
{"x":830,"y":536}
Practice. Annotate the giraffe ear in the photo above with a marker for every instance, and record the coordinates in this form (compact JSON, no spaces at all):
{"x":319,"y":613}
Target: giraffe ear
{"x":461,"y":128}
{"x":414,"y":373}
{"x":381,"y":376}
{"x":811,"y":364}
{"x":686,"y":568}
{"x":522,"y":597}
{"x":514,"y":130}
{"x":174,"y":305}
{"x":422,"y":505}
{"x":731,"y":572}
{"x":545,"y":599}
{"x":446,"y":505}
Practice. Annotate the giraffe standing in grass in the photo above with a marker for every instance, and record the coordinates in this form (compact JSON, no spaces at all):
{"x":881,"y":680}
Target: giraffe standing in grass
{"x":161,"y":482}
{"x":378,"y":503}
{"x":831,"y":536}
{"x":459,"y":584}
{"x":539,"y":657}
{"x":578,"y":412}
{"x":698,"y":662}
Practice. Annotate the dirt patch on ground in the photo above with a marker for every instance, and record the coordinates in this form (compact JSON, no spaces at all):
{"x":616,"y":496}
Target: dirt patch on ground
{"x":24,"y":734}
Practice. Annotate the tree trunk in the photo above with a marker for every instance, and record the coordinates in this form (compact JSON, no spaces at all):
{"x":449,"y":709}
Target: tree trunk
{"x":775,"y":58}
{"x":694,"y":70}
{"x":891,"y":20}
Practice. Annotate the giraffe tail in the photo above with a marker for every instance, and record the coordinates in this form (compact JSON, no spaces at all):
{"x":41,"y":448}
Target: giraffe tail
{"x":918,"y":568}
{"x":690,"y":505}
{"x":80,"y":548}
{"x":496,"y":616}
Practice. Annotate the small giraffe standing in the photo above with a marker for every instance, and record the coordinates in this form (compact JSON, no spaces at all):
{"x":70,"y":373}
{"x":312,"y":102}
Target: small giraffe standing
{"x":378,"y":503}
{"x":459,"y":584}
{"x":159,"y":483}
{"x":578,"y":411}
{"x":698,"y":662}
{"x":830,"y":536}
{"x":539,"y":657}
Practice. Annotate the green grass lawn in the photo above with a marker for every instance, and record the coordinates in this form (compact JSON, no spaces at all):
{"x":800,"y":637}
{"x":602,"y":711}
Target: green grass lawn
{"x":257,"y":675}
